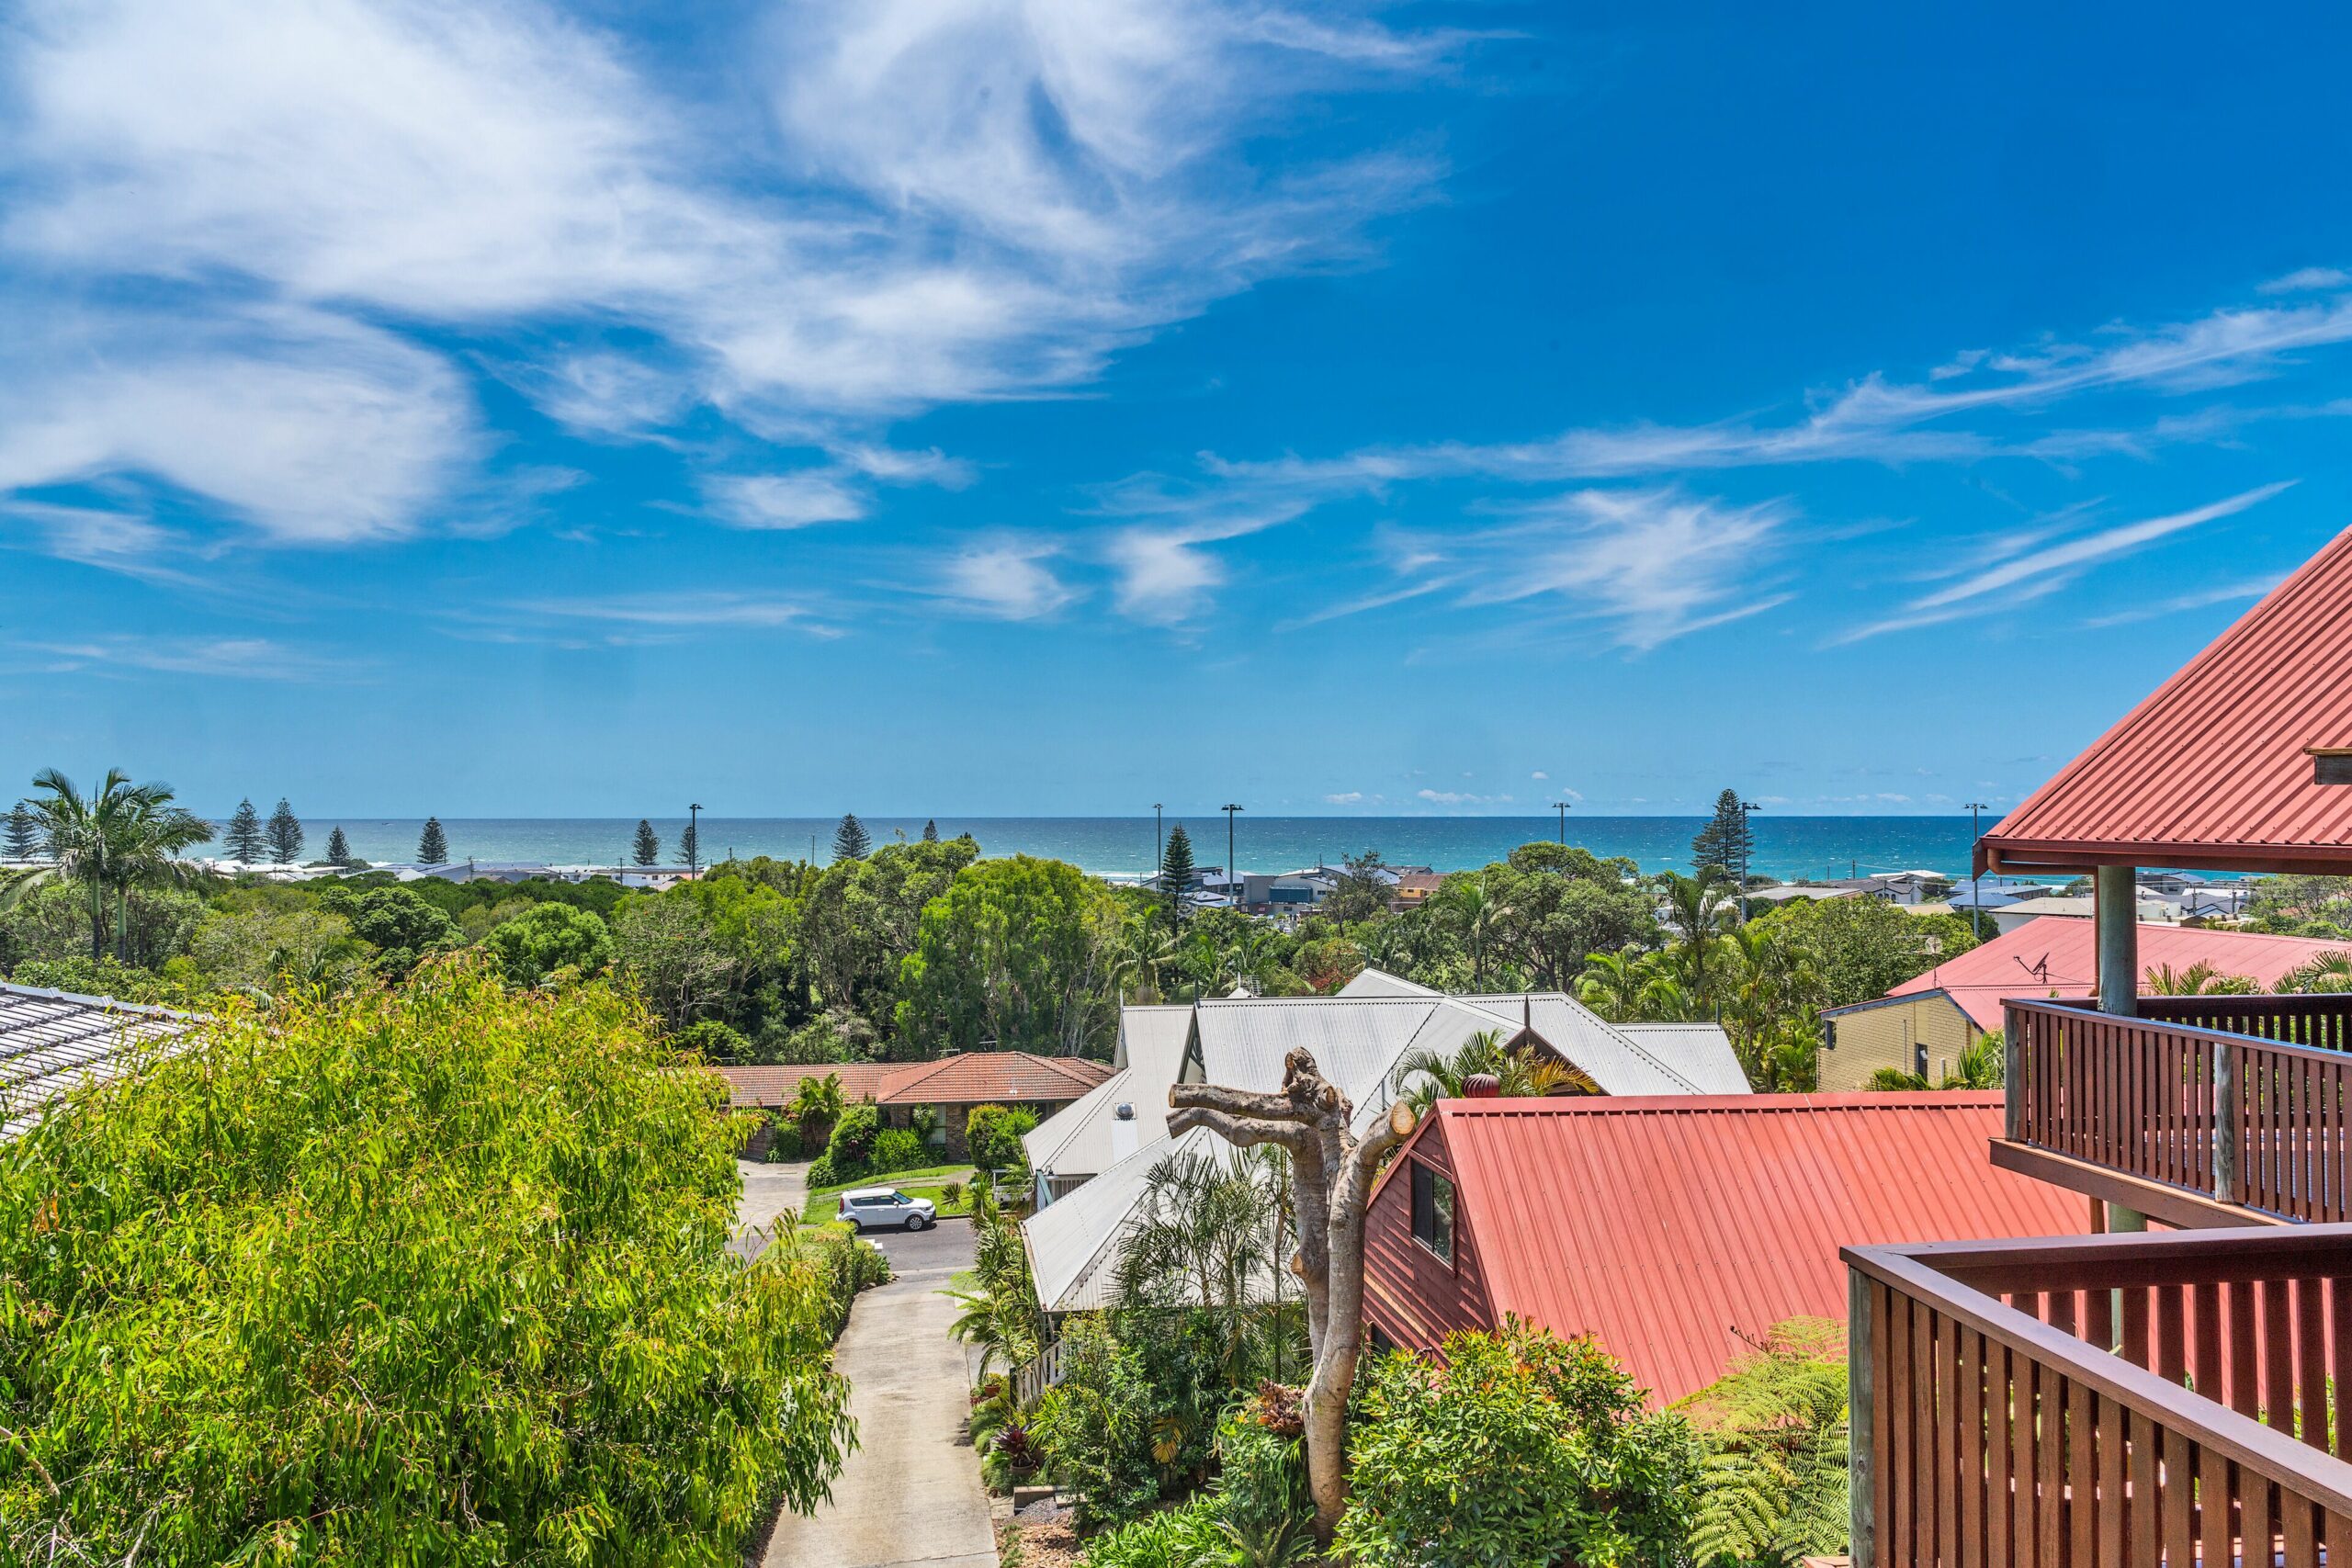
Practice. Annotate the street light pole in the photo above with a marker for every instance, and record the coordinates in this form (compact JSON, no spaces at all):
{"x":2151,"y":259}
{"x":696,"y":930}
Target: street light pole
{"x":1975,"y":881}
{"x":1232,"y":874}
{"x":1746,"y":806}
{"x":694,"y":839}
{"x":1562,"y":807}
{"x":1158,"y":848}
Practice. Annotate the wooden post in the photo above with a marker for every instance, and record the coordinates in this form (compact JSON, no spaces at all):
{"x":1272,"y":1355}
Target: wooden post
{"x":2012,"y":1078}
{"x":1861,"y":1425}
{"x":2225,"y":1123}
{"x":2117,"y":905}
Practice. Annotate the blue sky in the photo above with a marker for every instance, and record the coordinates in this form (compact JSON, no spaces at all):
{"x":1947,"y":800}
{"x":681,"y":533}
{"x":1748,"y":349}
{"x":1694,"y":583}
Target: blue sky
{"x":941,"y":405}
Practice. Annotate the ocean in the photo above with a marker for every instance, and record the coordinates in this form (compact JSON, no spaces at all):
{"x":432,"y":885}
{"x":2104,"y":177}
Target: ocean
{"x":1787,"y":848}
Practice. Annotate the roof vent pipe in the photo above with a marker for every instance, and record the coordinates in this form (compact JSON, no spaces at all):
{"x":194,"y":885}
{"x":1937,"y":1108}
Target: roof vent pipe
{"x":1481,"y":1086}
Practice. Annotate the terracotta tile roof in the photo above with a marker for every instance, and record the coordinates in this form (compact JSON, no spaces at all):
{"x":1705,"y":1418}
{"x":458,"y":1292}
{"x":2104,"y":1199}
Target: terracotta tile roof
{"x":2212,"y":769}
{"x":972,"y":1078}
{"x":778,"y":1086}
{"x":1671,"y":1227}
{"x":1002,"y":1076}
{"x":2057,"y":954}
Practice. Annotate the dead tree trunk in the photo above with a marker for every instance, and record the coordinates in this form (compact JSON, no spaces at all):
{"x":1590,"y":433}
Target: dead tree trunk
{"x":1331,"y":1174}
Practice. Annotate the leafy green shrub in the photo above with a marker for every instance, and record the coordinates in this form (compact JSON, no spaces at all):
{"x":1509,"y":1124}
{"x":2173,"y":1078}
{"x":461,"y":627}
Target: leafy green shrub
{"x":783,"y":1141}
{"x":437,"y":1274}
{"x":550,"y":939}
{"x":1180,"y":1537}
{"x":951,"y":1193}
{"x":1096,"y":1426}
{"x":1772,"y":1485}
{"x":992,"y":1133}
{"x":897,"y":1148}
{"x":820,"y":1173}
{"x":1515,"y":1447}
{"x":850,"y":1149}
{"x":86,"y":977}
{"x":714,"y":1041}
{"x":1261,"y":1493}
{"x":850,"y":1266}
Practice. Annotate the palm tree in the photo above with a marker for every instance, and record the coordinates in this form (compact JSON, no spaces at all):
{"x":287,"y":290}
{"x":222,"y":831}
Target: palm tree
{"x":1203,"y":1234}
{"x":2199,"y":980}
{"x":1478,"y":913}
{"x":124,"y":836}
{"x":1523,"y":1073}
{"x":1770,"y":991}
{"x":1700,"y":916}
{"x":1611,"y":984}
{"x":2330,"y":971}
{"x":817,"y":1104}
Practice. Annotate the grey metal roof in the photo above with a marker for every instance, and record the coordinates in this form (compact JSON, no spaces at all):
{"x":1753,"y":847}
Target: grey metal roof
{"x":1700,"y":1053}
{"x":53,"y":1042}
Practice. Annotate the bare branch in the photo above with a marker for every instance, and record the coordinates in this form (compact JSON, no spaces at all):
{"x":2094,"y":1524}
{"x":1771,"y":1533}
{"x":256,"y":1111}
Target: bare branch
{"x":1235,"y":1101}
{"x":1242,"y":1132}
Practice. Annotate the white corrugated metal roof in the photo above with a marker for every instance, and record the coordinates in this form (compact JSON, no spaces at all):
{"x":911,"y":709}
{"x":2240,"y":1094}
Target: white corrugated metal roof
{"x":1073,"y":1243}
{"x":1701,"y":1052}
{"x":53,"y":1042}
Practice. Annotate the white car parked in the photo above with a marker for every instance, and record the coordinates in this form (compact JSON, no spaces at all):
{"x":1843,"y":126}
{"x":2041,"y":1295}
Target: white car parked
{"x":887,"y":1208}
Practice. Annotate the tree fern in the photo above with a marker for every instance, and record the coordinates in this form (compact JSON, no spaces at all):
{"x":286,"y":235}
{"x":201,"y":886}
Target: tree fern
{"x":1772,"y":1487}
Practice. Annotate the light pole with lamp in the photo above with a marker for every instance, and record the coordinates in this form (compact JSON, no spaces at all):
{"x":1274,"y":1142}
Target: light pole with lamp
{"x":1746,"y":806}
{"x":694,"y":839}
{"x":1562,"y":807}
{"x":1232,"y":874}
{"x":1976,"y":882}
{"x":1158,"y":848}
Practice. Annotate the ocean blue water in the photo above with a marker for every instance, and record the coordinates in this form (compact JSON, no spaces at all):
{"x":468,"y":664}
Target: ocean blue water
{"x":1787,"y":848}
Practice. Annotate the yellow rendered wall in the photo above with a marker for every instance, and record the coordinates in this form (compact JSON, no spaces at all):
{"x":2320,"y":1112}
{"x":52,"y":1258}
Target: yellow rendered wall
{"x":1889,"y":1037}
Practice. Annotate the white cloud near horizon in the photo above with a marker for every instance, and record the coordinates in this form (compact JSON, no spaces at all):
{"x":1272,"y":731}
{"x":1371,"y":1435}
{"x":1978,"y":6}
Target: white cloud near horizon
{"x":910,"y":202}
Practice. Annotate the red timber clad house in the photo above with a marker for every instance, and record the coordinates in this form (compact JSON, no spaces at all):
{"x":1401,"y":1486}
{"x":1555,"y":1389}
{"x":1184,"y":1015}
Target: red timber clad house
{"x":2183,"y":1394}
{"x":1675,"y":1231}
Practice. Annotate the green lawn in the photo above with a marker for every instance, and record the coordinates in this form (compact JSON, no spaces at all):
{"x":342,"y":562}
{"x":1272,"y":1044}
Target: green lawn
{"x":825,"y":1202}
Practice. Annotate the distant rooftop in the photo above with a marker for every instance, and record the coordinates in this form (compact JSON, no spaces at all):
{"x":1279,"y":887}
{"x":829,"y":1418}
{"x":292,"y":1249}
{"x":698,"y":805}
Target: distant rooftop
{"x":53,"y":1042}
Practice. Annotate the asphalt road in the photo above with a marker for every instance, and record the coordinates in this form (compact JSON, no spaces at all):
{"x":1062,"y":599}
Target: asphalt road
{"x":911,"y":1493}
{"x":767,"y":1191}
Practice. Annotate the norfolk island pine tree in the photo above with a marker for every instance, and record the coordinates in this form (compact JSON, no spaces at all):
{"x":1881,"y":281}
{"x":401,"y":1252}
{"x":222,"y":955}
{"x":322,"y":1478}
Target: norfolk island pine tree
{"x":647,"y":850}
{"x":433,"y":844}
{"x":285,"y":834}
{"x":243,"y":835}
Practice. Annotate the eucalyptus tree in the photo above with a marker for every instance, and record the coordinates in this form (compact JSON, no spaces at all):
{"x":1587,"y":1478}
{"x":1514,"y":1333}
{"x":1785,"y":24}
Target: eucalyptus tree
{"x":123,"y":836}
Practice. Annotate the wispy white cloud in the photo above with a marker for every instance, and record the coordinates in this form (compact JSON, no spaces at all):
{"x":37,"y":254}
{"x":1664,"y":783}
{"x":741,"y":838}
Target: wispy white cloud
{"x":1345,"y":797}
{"x":1459,"y":798}
{"x":2042,"y":566}
{"x":785,"y":500}
{"x":683,"y":612}
{"x":2308,"y":280}
{"x":1644,"y":566}
{"x":2203,"y":598}
{"x":916,"y":203}
{"x":235,"y":657}
{"x":1005,"y":580}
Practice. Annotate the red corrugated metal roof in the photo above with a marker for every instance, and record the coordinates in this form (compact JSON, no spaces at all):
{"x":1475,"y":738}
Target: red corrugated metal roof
{"x":2058,"y":953}
{"x":971,"y":1078}
{"x":1671,"y":1227}
{"x":2211,"y":770}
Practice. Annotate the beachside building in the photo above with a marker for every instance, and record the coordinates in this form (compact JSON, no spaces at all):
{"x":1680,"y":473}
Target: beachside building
{"x":1922,"y":1025}
{"x":1677,"y":1232}
{"x":2139,"y":1396}
{"x":950,"y":1088}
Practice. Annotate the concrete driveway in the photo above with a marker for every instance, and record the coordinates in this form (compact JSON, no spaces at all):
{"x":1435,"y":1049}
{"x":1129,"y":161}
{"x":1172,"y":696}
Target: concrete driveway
{"x":911,"y":1493}
{"x":768,"y":1189}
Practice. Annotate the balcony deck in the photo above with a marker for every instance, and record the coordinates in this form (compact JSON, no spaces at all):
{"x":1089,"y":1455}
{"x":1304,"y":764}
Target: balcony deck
{"x":2201,"y":1111}
{"x":2140,"y":1399}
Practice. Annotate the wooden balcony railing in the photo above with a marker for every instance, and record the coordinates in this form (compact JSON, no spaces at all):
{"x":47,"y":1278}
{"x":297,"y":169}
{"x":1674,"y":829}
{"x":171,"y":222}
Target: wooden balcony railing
{"x":2159,"y":1398}
{"x":2246,"y":1099}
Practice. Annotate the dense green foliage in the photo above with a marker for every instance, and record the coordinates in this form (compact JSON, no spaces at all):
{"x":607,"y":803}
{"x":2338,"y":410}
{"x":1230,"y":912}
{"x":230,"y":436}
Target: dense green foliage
{"x":550,"y":939}
{"x":992,"y":1135}
{"x":437,"y":1274}
{"x":1097,"y":1426}
{"x":1772,"y":1483}
{"x":1011,"y":958}
{"x":1513,"y":1447}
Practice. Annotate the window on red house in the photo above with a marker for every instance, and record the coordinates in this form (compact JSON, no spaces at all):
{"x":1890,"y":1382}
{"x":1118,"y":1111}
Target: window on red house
{"x":1433,"y":1210}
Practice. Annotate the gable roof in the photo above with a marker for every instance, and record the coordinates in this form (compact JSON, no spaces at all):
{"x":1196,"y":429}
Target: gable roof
{"x":968,"y":1077}
{"x":1669,"y":1228}
{"x":2214,"y":768}
{"x":53,"y":1042}
{"x":2057,"y":954}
